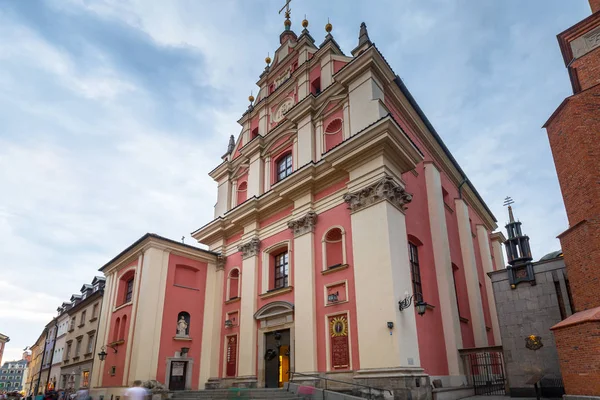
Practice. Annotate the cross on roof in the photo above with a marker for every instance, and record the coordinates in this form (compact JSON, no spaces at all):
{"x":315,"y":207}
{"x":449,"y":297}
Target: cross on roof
{"x":287,"y":9}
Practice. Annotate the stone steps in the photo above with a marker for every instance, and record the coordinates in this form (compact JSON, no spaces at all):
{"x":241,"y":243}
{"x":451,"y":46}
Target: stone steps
{"x":254,"y":394}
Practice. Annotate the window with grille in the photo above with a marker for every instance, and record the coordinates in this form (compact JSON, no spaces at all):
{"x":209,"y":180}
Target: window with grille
{"x":129,"y":291}
{"x":413,"y":255}
{"x":284,"y":167}
{"x":281,"y":270}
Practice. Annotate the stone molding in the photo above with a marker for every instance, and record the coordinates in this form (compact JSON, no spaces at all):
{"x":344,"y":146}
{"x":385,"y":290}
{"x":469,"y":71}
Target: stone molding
{"x":250,"y":248}
{"x":304,"y":224}
{"x":221,"y":262}
{"x":384,"y":189}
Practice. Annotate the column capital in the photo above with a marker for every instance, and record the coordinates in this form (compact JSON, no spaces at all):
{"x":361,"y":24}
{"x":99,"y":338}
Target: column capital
{"x":384,"y":189}
{"x":250,"y":248}
{"x":221,"y":262}
{"x":304,"y":224}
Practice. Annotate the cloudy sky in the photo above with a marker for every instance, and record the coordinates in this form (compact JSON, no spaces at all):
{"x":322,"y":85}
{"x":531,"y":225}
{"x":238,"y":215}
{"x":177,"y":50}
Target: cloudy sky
{"x":112,"y":112}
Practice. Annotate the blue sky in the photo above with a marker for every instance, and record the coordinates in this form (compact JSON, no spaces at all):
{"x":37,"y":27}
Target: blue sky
{"x":112,"y":112}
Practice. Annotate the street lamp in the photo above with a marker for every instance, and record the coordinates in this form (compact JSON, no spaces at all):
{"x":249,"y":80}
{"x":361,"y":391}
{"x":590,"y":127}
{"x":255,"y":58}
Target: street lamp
{"x":421,"y":307}
{"x":102,"y":354}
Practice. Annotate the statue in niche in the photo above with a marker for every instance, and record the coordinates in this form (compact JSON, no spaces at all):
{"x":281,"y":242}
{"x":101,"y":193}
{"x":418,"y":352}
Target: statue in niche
{"x":182,"y":326}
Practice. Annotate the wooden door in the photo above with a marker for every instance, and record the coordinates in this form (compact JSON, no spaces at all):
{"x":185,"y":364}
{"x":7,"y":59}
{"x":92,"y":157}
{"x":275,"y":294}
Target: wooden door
{"x":177,"y":375}
{"x":231,"y":356}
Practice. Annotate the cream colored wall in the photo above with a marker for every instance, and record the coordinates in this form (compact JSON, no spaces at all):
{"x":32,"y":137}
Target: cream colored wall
{"x":211,"y":325}
{"x":306,"y":141}
{"x":304,"y":303}
{"x":443,"y":269}
{"x":247,"y":339}
{"x":381,"y":266}
{"x":498,"y":254}
{"x":107,"y":299}
{"x":471,"y":275}
{"x":486,"y":259}
{"x":255,"y":176}
{"x":223,"y":197}
{"x":366,"y":102}
{"x":149,"y":295}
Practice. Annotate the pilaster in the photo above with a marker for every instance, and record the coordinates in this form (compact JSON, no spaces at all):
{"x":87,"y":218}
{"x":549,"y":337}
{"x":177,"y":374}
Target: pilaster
{"x":366,"y":102}
{"x":318,"y":140}
{"x":267,"y":172}
{"x":443,"y":268}
{"x":306,"y":141}
{"x":497,"y":241}
{"x":211,"y":326}
{"x":304,"y":292}
{"x":247,"y":340}
{"x":486,"y":260}
{"x":381,"y":266}
{"x":223,"y":197}
{"x":326,"y":71}
{"x":255,"y":176}
{"x":233,"y":195}
{"x":471,"y":275}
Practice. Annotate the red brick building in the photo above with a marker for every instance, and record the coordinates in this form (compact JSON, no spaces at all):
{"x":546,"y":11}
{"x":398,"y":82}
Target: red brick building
{"x":574,"y":134}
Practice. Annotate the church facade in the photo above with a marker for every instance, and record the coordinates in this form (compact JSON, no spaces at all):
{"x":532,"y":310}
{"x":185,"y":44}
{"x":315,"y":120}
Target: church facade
{"x":347,"y":242}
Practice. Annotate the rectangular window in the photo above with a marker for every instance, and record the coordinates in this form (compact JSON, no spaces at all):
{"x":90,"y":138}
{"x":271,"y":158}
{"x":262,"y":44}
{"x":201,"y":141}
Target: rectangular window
{"x":90,"y":346}
{"x":77,"y":347}
{"x":68,"y":351}
{"x":281,"y":270}
{"x":129,"y":291}
{"x":82,"y":320}
{"x":72,"y":324}
{"x":95,"y":311}
{"x":284,"y":167}
{"x":85,"y":378}
{"x":416,"y":272}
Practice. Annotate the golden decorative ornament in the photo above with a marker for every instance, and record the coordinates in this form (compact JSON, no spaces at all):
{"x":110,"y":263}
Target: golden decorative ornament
{"x":268,"y":60}
{"x":250,"y":98}
{"x":287,"y":23}
{"x":305,"y":23}
{"x":328,"y":27}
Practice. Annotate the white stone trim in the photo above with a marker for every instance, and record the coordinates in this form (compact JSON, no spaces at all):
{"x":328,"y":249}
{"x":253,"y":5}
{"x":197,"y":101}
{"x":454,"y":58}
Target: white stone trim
{"x":239,"y":279}
{"x":265,"y":267}
{"x":327,"y":286}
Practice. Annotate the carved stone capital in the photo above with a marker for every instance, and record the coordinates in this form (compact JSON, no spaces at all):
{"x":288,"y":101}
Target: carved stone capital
{"x":304,"y":224}
{"x":384,"y":189}
{"x":221,"y":262}
{"x":250,"y":248}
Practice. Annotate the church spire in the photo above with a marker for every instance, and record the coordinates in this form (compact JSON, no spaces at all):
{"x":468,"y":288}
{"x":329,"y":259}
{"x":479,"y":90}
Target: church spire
{"x":231,"y":144}
{"x":363,"y":40}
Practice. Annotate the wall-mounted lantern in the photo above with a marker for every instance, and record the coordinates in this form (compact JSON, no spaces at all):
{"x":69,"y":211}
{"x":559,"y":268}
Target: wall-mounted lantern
{"x":228,"y":323}
{"x":102,"y":354}
{"x":184,"y":350}
{"x":333,"y":297}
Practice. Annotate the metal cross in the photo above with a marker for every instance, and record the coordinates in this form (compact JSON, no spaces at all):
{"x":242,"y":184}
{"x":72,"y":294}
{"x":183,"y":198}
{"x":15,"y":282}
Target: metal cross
{"x":286,"y":7}
{"x":508,"y":201}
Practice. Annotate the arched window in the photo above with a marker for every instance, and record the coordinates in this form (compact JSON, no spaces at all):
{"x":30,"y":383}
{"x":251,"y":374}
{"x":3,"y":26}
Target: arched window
{"x":334,"y":248}
{"x":333,"y":134}
{"x":116,"y":330}
{"x":183,"y":324}
{"x":284,"y":166}
{"x":242,"y":192}
{"x":233,"y":284}
{"x":123,"y":327}
{"x":415,"y":269}
{"x":125,"y":291}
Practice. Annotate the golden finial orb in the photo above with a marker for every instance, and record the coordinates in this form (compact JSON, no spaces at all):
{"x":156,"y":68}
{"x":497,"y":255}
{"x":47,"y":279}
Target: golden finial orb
{"x":251,"y":98}
{"x":305,"y":22}
{"x":328,"y":27}
{"x":268,"y":60}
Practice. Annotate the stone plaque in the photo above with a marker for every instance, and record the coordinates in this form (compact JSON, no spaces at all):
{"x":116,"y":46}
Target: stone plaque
{"x":340,"y":352}
{"x":177,"y":369}
{"x":231,"y":355}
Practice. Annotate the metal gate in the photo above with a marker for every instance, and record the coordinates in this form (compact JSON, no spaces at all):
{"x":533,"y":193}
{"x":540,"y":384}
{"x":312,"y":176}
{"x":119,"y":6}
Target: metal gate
{"x":487,"y":372}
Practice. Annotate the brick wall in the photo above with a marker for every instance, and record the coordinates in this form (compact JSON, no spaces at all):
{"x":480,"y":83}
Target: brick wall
{"x":595,"y":5}
{"x":578,"y":349}
{"x":588,"y":69}
{"x":573,"y":135}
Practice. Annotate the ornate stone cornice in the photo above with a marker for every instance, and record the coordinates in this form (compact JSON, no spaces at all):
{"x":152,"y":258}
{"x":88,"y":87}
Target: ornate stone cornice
{"x":250,"y":248}
{"x":221,"y":262}
{"x":384,"y":189}
{"x":304,"y":224}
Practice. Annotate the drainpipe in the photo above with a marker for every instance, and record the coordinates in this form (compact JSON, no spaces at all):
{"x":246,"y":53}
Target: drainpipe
{"x":465,"y":180}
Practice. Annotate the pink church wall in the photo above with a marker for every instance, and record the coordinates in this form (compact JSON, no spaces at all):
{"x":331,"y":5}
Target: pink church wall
{"x":429,"y":326}
{"x":337,"y":216}
{"x":233,"y":261}
{"x":242,"y":183}
{"x":177,"y":299}
{"x":331,"y":189}
{"x":337,"y":65}
{"x":275,"y":217}
{"x":279,"y":237}
{"x":121,"y":332}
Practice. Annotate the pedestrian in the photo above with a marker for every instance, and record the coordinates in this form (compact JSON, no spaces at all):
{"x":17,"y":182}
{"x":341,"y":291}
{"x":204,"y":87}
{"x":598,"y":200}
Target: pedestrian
{"x":137,"y":392}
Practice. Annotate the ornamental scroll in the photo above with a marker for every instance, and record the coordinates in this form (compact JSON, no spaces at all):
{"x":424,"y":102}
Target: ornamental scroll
{"x":338,"y":332}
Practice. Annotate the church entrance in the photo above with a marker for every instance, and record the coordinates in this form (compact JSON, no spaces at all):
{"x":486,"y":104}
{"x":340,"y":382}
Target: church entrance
{"x":277,"y":358}
{"x":177,"y":375}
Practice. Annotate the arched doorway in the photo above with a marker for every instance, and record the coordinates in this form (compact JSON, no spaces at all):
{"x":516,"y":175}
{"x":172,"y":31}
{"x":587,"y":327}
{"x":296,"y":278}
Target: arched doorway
{"x":275,"y":343}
